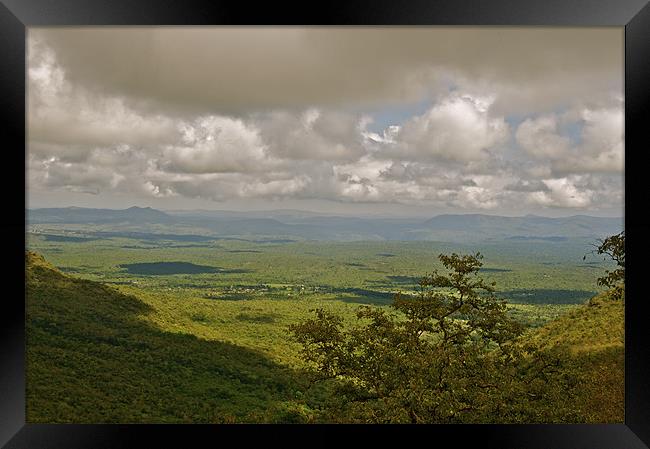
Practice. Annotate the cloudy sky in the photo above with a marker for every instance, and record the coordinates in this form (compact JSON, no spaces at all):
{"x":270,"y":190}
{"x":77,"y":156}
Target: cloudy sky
{"x":349,"y":120}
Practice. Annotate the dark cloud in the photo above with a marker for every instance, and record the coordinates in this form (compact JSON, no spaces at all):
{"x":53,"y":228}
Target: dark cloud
{"x":238,"y":69}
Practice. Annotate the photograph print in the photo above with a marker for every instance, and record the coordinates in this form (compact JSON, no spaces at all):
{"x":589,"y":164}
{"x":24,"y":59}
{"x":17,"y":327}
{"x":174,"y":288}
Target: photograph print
{"x":312,"y":225}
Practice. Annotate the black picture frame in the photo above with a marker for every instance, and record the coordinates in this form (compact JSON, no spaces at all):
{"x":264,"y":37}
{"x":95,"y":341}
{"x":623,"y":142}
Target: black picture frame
{"x":17,"y":15}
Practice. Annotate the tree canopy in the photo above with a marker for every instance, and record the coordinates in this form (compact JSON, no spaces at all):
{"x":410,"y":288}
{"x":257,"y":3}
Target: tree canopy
{"x":614,"y":247}
{"x":448,"y":354}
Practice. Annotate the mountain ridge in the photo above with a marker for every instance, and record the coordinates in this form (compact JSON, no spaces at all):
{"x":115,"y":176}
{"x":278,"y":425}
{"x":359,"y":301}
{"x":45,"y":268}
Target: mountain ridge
{"x":307,"y":226}
{"x":299,"y":211}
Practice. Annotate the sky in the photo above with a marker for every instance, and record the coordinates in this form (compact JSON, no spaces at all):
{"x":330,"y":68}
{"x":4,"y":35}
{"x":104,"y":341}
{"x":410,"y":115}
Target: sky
{"x":351,"y":120}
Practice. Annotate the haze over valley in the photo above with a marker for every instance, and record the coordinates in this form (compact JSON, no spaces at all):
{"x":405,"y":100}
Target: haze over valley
{"x":304,"y":225}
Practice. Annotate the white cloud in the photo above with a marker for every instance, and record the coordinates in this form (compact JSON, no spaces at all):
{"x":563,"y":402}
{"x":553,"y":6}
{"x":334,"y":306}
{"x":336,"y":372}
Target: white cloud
{"x":216,"y":144}
{"x":70,"y":122}
{"x":313,"y":134}
{"x":599,"y":147}
{"x":458,"y":128}
{"x":603,"y":139}
{"x":539,"y":137}
{"x":478,"y":197}
{"x":156,"y":191}
{"x":563,"y":192}
{"x":80,"y":177}
{"x":527,"y":186}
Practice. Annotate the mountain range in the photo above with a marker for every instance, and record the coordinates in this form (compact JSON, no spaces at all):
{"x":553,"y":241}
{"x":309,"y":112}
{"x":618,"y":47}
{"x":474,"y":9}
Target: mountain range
{"x":302,"y":225}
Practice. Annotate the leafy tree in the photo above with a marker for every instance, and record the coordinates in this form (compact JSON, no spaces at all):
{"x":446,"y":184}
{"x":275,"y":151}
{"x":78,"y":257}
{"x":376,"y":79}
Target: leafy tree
{"x":449,"y":354}
{"x":614,"y":248}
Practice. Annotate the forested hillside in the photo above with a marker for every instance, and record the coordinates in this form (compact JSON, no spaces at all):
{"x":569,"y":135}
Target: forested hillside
{"x":92,"y":358}
{"x":594,"y":334}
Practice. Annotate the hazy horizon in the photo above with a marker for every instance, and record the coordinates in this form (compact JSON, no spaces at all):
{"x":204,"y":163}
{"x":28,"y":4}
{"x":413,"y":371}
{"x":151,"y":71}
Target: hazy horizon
{"x":422,"y":214}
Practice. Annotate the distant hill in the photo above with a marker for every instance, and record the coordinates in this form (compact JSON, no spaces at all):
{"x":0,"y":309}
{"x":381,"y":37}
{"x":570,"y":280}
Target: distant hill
{"x":527,"y":227}
{"x":81,"y":215}
{"x":292,"y":225}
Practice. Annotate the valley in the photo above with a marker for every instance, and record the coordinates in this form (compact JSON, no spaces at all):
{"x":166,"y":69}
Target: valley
{"x":242,"y":291}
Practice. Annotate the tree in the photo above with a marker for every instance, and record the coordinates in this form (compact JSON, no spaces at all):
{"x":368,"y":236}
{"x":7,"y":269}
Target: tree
{"x":614,"y":248}
{"x":447,"y":354}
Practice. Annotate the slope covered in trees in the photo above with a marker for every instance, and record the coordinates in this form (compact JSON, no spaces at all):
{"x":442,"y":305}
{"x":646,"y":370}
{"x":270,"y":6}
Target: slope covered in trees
{"x":92,"y":358}
{"x":594,"y":336}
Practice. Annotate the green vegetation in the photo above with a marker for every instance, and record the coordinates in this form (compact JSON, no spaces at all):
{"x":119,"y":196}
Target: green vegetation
{"x":593,"y":336}
{"x":451,"y":354}
{"x":140,"y":334}
{"x":94,"y":357}
{"x":553,"y":276}
{"x":427,"y":364}
{"x":614,"y":247}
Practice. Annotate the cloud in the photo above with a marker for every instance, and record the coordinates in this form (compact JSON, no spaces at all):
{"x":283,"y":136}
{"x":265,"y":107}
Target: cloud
{"x":527,"y":186}
{"x":602,"y":141}
{"x":458,"y":128}
{"x":598,"y":147}
{"x":313,"y":134}
{"x":224,"y":187}
{"x":69,"y":121}
{"x":79,"y":177}
{"x":581,"y":191}
{"x":539,"y":137}
{"x":220,"y":114}
{"x":478,"y":197}
{"x":563,"y":192}
{"x":75,"y":121}
{"x":234,"y":69}
{"x":216,"y":144}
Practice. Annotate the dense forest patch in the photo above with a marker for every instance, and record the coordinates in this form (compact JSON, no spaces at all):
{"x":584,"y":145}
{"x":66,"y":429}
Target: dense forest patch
{"x":163,"y":268}
{"x":168,"y":268}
